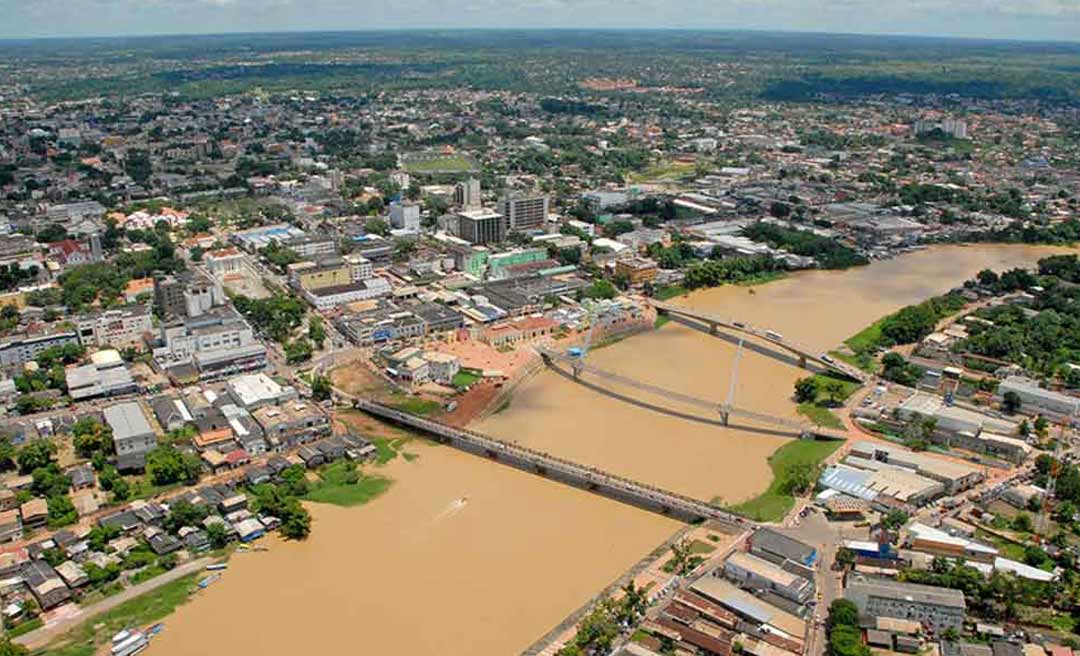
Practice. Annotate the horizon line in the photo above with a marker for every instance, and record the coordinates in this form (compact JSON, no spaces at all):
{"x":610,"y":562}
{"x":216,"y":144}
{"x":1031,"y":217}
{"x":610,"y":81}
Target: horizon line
{"x":419,"y":30}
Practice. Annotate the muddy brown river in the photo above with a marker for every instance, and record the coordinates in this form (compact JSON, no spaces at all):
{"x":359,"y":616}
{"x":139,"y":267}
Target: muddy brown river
{"x":463,"y":556}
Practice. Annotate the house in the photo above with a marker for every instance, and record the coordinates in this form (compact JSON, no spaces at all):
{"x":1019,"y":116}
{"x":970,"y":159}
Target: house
{"x":249,"y":529}
{"x":82,"y":477}
{"x":10,"y":526}
{"x":35,"y":513}
{"x":45,"y":584}
{"x":72,"y":575}
{"x":258,"y":474}
{"x":195,"y":540}
{"x":233,"y":503}
{"x":162,"y":543}
{"x":312,"y":457}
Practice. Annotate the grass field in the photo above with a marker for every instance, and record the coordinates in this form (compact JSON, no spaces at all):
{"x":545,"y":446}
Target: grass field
{"x":665,"y":171}
{"x":818,"y":411}
{"x":449,"y":164}
{"x":334,"y":486}
{"x":670,"y":292}
{"x":772,"y":504}
{"x":820,"y":415}
{"x":464,"y":378}
{"x":85,"y":639}
{"x":868,"y":338}
{"x":416,"y":406}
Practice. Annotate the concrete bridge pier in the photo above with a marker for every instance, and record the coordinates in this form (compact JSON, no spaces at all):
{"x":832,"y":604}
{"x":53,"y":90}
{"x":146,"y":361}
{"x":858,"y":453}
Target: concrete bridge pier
{"x":725,"y":416}
{"x":802,"y":361}
{"x":713,"y":329}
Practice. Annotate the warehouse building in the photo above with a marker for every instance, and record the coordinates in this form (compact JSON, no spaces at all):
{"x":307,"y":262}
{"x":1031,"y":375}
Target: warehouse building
{"x":939,"y":608}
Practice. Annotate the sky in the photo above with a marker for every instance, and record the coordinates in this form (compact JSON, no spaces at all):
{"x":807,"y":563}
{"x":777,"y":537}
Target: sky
{"x":1057,"y":20}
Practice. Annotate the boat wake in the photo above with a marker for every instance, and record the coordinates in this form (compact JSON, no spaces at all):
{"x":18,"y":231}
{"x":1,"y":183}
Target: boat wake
{"x":453,"y":508}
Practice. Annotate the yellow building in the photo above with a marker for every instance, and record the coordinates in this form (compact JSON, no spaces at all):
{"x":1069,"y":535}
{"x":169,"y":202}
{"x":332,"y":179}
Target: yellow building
{"x":309,"y":275}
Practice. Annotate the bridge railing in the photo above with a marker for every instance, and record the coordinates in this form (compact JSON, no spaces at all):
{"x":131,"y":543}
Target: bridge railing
{"x":548,"y":460}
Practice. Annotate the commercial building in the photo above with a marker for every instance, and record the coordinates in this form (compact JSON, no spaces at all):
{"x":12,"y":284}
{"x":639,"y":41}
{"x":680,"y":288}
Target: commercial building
{"x":498,"y":263}
{"x":224,"y":261}
{"x":120,"y":328}
{"x":360,"y":267}
{"x":955,"y":476}
{"x":327,"y":272}
{"x":133,"y":437}
{"x":480,"y":227}
{"x":778,"y":548}
{"x":17,"y":351}
{"x":524,"y":212}
{"x":467,"y":194}
{"x":311,"y":245}
{"x":405,"y":215}
{"x":939,"y":608}
{"x":1036,"y":400}
{"x":292,"y":423}
{"x":750,"y":571}
{"x":104,"y":377}
{"x":326,"y":298}
{"x":186,"y":295}
{"x":216,"y":342}
{"x":638,"y":270}
{"x":257,"y":390}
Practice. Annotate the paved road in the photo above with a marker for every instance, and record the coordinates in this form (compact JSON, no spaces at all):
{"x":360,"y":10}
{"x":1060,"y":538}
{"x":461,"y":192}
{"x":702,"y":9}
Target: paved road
{"x":46,"y":634}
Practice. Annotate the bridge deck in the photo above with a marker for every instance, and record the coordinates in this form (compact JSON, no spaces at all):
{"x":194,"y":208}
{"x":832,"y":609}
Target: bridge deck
{"x":732,"y":325}
{"x":591,"y":476}
{"x":710,"y":407}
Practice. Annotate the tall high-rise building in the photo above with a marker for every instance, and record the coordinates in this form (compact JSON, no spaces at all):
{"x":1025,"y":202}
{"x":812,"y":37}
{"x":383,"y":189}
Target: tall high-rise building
{"x":467,"y":194}
{"x":524,"y":212}
{"x":481,"y":226}
{"x":405,"y":215}
{"x":96,"y":253}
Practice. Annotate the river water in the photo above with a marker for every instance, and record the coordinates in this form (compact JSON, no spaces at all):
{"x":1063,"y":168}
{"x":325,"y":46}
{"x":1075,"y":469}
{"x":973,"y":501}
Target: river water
{"x":464,"y":556}
{"x":460,"y":556}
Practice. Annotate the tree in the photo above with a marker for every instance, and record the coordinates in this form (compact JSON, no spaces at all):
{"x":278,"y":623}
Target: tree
{"x":894,"y":519}
{"x":91,"y":436}
{"x":1065,"y":512}
{"x":1042,"y":427}
{"x":845,"y":557}
{"x":601,"y":289}
{"x":35,"y":455}
{"x":316,"y":330}
{"x":806,"y":390}
{"x":166,"y":465}
{"x":61,"y":511}
{"x":9,"y":648}
{"x":320,"y":387}
{"x":298,"y":351}
{"x":835,"y":390}
{"x":1011,"y":402}
{"x":680,"y":556}
{"x":184,"y":513}
{"x":843,"y":612}
{"x":377,"y":227}
{"x":1022,"y":523}
{"x":217,"y":534}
